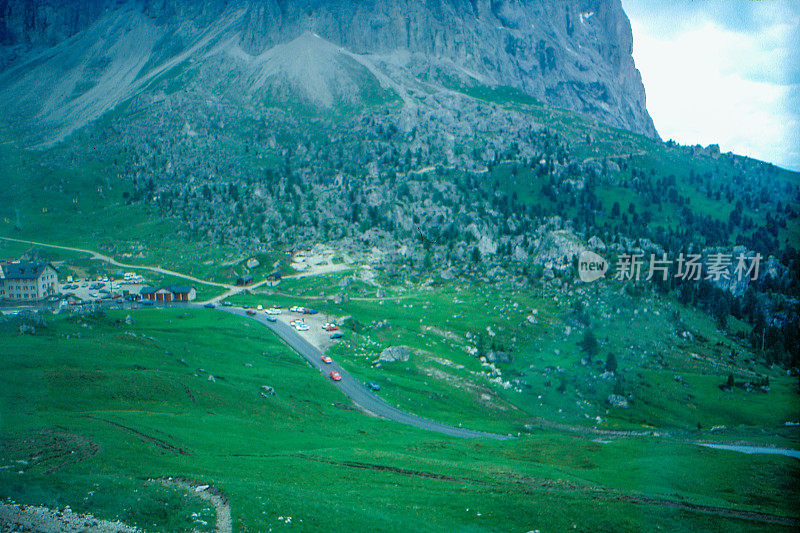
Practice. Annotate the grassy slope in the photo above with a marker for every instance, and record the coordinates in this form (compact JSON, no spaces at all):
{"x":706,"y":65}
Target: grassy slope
{"x":52,"y":198}
{"x":80,"y":207}
{"x":150,"y":399}
{"x":305,"y":454}
{"x":674,"y":381}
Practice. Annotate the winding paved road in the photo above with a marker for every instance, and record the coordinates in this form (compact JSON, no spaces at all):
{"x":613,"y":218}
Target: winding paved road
{"x":357,"y":392}
{"x":353,"y":388}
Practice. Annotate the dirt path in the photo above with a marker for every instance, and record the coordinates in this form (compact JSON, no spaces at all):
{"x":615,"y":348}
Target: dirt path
{"x":231,"y":289}
{"x":100,"y":257}
{"x":529,"y":485}
{"x":19,"y":517}
{"x":160,"y":443}
{"x":208,"y":493}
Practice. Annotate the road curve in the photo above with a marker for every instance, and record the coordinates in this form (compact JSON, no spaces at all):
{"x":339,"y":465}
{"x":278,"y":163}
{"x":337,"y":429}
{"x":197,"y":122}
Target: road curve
{"x":230,"y":290}
{"x":354,"y":389}
{"x":349,"y":386}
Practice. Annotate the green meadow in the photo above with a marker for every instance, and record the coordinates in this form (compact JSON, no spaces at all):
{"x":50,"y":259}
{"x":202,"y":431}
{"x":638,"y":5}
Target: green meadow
{"x":92,"y":410}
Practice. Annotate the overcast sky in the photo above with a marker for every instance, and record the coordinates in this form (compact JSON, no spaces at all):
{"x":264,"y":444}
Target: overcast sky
{"x":722,"y":71}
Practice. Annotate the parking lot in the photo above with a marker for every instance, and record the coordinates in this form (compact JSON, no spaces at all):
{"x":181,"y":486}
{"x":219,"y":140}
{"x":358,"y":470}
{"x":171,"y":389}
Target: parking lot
{"x":91,"y":291}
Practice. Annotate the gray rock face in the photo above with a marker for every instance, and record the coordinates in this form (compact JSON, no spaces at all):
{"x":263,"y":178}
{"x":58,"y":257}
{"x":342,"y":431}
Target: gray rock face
{"x":498,"y":357}
{"x":615,"y":400}
{"x":574,"y":54}
{"x":395,"y":353}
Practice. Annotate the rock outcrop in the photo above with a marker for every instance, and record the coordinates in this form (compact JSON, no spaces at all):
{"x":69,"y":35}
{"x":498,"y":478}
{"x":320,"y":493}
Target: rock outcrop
{"x":573,"y":54}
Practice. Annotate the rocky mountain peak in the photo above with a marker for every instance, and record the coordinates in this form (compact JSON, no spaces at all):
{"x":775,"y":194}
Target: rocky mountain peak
{"x":573,"y":54}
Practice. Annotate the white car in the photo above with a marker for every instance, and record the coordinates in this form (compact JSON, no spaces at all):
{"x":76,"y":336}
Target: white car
{"x":303,"y":327}
{"x":260,"y":307}
{"x":273,"y":311}
{"x":296,"y":309}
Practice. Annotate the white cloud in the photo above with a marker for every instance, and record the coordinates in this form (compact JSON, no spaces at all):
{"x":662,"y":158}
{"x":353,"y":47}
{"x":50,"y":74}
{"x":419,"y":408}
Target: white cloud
{"x":708,"y":81}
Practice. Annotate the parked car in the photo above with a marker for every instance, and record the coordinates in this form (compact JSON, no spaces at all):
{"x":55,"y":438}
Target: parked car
{"x":337,"y":335}
{"x":209,"y":305}
{"x":335,"y":376}
{"x":373,"y":386}
{"x":273,"y":311}
{"x":251,"y":312}
{"x":145,"y":301}
{"x":303,"y":327}
{"x":260,"y":307}
{"x":327,"y":360}
{"x":271,"y":318}
{"x":226,"y":303}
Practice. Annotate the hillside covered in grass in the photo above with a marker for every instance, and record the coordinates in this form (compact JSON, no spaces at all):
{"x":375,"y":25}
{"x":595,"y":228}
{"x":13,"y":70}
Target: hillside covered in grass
{"x":118,"y":406}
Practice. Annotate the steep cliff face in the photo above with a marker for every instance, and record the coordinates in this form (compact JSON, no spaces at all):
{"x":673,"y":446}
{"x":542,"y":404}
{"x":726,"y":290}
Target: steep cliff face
{"x":574,"y":54}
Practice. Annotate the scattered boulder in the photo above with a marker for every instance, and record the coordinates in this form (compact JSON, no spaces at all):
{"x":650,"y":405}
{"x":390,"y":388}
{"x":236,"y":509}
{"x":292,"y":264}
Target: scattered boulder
{"x":393,"y":354}
{"x":498,"y":357}
{"x":25,"y":329}
{"x":596,"y":243}
{"x":615,"y":400}
{"x":341,"y":298}
{"x":266,"y":390}
{"x":129,"y":320}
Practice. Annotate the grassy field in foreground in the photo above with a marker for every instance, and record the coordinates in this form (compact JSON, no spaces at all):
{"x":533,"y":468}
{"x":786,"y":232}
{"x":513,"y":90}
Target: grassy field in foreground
{"x":136,"y":402}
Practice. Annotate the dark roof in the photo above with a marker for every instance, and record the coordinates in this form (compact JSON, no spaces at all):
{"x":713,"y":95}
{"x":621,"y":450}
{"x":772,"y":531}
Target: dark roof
{"x":24,"y":270}
{"x":176,"y":289}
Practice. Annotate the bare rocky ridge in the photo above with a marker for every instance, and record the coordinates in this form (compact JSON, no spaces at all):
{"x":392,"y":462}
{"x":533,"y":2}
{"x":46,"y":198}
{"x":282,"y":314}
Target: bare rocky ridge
{"x":574,"y":54}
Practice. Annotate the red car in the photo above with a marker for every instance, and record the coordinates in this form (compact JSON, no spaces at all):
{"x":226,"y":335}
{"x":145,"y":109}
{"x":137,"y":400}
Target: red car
{"x":327,"y":360}
{"x":332,"y":327}
{"x":251,"y":312}
{"x":335,"y":376}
